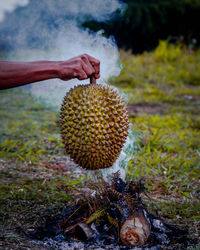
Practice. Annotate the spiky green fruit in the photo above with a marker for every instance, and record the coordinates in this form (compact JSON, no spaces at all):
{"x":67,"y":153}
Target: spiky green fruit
{"x":94,"y":125}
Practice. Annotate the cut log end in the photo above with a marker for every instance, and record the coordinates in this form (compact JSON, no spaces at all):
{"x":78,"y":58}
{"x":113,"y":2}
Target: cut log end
{"x":135,"y":230}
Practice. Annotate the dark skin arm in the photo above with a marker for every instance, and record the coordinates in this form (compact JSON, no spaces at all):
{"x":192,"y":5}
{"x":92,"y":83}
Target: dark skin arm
{"x":13,"y":74}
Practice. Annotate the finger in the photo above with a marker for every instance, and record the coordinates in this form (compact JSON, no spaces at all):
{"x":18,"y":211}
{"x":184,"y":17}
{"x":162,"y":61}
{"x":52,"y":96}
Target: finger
{"x":82,"y":75}
{"x":96,"y":65}
{"x":87,"y":66}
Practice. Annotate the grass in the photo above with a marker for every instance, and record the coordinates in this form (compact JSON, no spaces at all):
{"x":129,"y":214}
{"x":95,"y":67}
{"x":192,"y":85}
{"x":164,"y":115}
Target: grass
{"x":28,"y":130}
{"x":168,"y":157}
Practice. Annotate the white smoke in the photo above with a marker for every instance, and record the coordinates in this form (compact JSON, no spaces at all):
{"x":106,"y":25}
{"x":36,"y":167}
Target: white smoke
{"x":127,"y":153}
{"x":97,"y":9}
{"x":69,"y":44}
{"x":9,"y":6}
{"x":51,"y":30}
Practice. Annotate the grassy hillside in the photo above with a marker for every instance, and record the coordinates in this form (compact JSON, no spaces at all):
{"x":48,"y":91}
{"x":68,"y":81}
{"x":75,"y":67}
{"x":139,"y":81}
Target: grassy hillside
{"x":163,"y":88}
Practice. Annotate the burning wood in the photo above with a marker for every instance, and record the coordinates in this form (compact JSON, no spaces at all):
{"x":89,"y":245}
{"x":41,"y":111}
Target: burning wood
{"x":135,"y":230}
{"x":115,"y":215}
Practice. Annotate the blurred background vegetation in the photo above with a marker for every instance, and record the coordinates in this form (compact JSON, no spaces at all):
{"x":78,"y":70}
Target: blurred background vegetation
{"x":144,"y":22}
{"x":138,"y":26}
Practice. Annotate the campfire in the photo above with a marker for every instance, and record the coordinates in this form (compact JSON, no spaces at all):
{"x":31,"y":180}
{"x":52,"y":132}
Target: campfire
{"x":111,"y":215}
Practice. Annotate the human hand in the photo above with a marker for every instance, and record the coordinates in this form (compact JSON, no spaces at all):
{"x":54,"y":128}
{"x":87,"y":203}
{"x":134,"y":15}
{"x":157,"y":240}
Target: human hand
{"x":81,"y":67}
{"x":13,"y":74}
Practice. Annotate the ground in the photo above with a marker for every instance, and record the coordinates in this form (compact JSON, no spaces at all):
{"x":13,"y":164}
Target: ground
{"x":37,"y":178}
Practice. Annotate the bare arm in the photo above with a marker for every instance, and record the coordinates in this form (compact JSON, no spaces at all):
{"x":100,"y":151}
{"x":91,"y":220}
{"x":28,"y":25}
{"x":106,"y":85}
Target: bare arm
{"x":13,"y":74}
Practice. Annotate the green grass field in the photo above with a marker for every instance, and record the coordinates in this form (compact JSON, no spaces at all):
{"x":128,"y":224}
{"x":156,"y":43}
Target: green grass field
{"x":164,"y":103}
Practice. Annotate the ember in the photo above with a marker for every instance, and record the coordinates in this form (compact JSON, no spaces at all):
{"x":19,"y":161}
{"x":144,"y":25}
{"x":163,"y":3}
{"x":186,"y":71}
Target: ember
{"x":114,"y":216}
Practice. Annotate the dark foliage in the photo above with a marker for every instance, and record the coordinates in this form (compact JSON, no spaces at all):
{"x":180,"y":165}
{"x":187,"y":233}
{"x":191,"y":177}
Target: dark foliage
{"x":145,"y":22}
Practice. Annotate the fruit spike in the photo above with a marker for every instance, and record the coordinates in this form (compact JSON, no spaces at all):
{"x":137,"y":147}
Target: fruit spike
{"x":94,"y":125}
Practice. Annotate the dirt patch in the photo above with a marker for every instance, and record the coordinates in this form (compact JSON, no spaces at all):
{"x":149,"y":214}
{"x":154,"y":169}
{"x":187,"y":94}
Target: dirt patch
{"x":163,"y":108}
{"x":138,"y":108}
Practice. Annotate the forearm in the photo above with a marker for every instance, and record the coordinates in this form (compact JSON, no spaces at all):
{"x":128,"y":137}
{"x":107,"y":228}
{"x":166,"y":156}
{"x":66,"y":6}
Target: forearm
{"x":13,"y":74}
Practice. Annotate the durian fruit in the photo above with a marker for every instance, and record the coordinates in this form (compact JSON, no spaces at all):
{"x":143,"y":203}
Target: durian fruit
{"x":94,"y":125}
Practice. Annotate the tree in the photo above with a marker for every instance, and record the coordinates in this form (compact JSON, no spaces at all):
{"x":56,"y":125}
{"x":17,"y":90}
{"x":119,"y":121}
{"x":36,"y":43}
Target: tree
{"x":145,"y":22}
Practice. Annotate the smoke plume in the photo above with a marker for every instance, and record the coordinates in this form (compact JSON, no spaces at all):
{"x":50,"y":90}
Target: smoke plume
{"x":51,"y":30}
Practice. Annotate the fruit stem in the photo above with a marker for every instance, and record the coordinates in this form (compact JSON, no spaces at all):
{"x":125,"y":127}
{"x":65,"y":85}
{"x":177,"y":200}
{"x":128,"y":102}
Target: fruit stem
{"x":92,"y":79}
